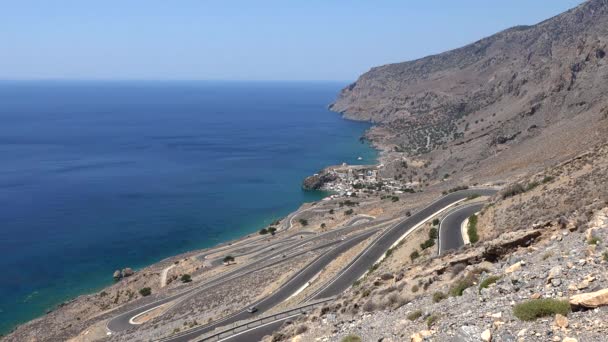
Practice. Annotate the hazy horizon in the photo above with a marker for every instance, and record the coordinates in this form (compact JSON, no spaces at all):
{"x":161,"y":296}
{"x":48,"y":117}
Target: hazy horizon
{"x":242,"y":41}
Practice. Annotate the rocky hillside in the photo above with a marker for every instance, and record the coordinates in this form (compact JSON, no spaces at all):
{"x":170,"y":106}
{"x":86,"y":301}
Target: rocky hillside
{"x":538,"y":274}
{"x":519,"y":87}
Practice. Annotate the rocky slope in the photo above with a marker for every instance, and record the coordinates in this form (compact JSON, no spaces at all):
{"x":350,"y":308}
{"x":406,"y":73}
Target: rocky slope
{"x":543,"y":243}
{"x":523,"y":87}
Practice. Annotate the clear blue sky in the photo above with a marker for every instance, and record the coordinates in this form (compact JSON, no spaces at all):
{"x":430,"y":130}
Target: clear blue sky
{"x":242,"y":40}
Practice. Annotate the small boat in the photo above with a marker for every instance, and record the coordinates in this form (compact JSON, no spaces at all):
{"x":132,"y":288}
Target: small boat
{"x":360,"y":158}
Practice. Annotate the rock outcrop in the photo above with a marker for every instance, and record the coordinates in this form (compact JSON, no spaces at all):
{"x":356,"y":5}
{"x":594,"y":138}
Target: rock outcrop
{"x":316,"y":182}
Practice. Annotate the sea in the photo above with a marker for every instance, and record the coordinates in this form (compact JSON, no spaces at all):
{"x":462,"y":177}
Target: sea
{"x":100,"y":175}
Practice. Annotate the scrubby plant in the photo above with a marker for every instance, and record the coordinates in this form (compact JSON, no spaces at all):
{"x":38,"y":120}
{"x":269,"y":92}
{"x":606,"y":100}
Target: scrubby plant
{"x":432,"y":319}
{"x":433,"y":233}
{"x":472,"y":229}
{"x":532,"y":185}
{"x":263,"y":231}
{"x":369,"y":306}
{"x":487,"y":282}
{"x":415,"y":255}
{"x":458,"y":288}
{"x":415,"y":288}
{"x":349,"y":212}
{"x":548,"y":179}
{"x":303,"y":222}
{"x":605,"y":256}
{"x":513,"y":190}
{"x":594,"y":240}
{"x":186,"y":278}
{"x":457,"y":269}
{"x":435,"y":222}
{"x":536,"y":308}
{"x":427,"y":244}
{"x":351,"y":338}
{"x":146,"y":291}
{"x":438,"y":296}
{"x":414,"y":315}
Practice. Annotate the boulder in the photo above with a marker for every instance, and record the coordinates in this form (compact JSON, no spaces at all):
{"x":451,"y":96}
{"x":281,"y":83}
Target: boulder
{"x":117,"y":275}
{"x":561,"y":321}
{"x":486,"y":336}
{"x":591,"y":299}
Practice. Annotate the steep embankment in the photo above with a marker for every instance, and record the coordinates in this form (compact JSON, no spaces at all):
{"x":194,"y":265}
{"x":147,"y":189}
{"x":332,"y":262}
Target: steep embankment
{"x":507,"y":97}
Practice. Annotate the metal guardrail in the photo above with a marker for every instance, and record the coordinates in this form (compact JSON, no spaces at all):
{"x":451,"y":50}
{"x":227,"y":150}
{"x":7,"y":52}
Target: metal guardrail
{"x":261,"y":321}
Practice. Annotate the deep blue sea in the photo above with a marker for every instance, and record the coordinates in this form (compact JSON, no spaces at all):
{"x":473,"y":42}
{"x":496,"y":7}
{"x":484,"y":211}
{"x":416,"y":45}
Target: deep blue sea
{"x":96,"y":176}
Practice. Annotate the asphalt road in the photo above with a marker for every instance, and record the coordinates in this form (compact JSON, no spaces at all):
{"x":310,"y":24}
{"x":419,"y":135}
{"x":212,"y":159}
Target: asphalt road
{"x":283,"y":293}
{"x":374,"y":252}
{"x":450,"y":236}
{"x":121,"y":321}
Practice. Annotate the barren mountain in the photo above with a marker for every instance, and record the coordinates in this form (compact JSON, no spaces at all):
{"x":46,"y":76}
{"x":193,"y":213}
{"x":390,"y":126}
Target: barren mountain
{"x":541,"y":90}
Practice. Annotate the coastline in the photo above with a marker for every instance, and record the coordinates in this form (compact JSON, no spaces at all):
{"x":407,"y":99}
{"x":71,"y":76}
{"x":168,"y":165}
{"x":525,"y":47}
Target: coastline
{"x":157,"y":267}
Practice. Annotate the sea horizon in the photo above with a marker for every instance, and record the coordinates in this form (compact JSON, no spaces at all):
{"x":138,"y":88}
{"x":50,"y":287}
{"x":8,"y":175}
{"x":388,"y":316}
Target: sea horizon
{"x":127,"y":163}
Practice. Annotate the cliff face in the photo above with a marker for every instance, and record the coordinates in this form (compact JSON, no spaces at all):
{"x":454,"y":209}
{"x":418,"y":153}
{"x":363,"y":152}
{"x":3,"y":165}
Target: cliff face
{"x":501,"y":90}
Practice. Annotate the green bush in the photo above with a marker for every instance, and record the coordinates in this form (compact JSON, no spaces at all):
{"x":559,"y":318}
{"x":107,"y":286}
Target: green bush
{"x":186,"y":278}
{"x":146,"y":291}
{"x":414,"y":315}
{"x":438,"y":296}
{"x":331,"y":211}
{"x":351,"y":338}
{"x":415,"y":255}
{"x":272,"y":230}
{"x":536,"y":308}
{"x":487,"y":282}
{"x":395,"y":199}
{"x":349,"y":212}
{"x":427,"y":244}
{"x":605,"y":256}
{"x":532,"y":185}
{"x":435,"y":222}
{"x":432,"y":319}
{"x":433,"y":233}
{"x":457,"y":289}
{"x":415,"y":288}
{"x":472,"y":229}
{"x":263,"y":231}
{"x":594,"y":240}
{"x":303,"y":222}
{"x":228,"y":259}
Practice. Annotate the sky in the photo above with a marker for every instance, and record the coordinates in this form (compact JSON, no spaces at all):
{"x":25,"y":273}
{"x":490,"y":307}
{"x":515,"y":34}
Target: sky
{"x":242,"y":39}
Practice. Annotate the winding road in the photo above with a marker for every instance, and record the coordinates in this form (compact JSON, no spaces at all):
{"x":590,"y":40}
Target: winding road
{"x":353,"y":271}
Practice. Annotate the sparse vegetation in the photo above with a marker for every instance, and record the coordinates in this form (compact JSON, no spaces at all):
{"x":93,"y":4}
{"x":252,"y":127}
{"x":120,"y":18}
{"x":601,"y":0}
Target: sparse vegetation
{"x":605,"y":256}
{"x":536,"y":308}
{"x":351,"y":338}
{"x":548,"y":179}
{"x":513,"y":190}
{"x":487,"y":282}
{"x":146,"y":291}
{"x":438,"y":296}
{"x":349,"y":212}
{"x":472,"y":229}
{"x":414,"y":315}
{"x":395,"y":199}
{"x":432,"y":319}
{"x":463,"y":284}
{"x":594,"y":240}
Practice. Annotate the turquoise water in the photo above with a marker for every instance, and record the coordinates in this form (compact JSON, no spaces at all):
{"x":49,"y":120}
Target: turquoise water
{"x":97,"y":176}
